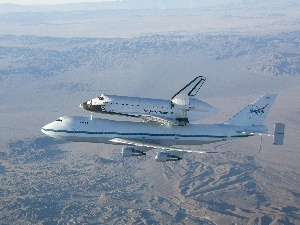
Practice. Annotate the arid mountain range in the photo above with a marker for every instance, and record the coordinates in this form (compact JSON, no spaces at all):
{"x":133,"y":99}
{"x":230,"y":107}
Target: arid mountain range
{"x":53,"y":60}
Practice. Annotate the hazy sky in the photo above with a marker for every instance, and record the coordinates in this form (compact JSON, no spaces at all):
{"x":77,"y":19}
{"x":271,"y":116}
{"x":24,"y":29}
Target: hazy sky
{"x":30,"y":2}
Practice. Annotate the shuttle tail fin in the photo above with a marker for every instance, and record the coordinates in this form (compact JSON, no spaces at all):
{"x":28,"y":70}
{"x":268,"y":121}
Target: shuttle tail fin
{"x":255,"y":113}
{"x":191,"y":89}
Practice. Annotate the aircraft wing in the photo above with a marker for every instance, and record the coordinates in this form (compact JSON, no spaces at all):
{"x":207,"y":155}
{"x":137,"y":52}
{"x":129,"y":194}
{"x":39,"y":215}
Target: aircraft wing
{"x":151,"y":146}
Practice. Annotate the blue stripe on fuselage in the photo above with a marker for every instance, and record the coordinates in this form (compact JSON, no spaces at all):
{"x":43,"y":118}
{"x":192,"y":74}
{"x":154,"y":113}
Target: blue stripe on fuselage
{"x":132,"y":134}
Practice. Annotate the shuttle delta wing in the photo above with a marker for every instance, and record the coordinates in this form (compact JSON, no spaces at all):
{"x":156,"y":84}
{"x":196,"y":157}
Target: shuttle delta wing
{"x":158,"y":119}
{"x":148,"y":117}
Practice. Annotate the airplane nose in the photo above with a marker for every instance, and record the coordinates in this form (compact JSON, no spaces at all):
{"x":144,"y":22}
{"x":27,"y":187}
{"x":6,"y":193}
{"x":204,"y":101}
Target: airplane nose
{"x":45,"y":129}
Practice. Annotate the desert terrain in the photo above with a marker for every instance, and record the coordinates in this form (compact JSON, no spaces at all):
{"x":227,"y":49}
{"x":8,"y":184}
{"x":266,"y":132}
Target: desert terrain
{"x":51,"y":60}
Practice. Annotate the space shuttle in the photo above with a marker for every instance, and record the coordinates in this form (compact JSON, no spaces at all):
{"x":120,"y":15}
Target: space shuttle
{"x":181,"y":109}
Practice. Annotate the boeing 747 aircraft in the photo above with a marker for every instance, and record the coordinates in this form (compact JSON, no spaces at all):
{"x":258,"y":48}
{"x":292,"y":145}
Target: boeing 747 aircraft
{"x":181,"y":109}
{"x":143,"y":136}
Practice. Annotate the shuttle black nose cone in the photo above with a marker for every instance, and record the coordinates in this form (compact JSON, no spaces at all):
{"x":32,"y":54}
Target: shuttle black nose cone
{"x":86,"y":106}
{"x":90,"y":107}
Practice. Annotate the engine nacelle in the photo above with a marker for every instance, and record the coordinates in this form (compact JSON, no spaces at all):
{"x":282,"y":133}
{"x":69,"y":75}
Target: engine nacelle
{"x":131,"y":151}
{"x":164,"y":157}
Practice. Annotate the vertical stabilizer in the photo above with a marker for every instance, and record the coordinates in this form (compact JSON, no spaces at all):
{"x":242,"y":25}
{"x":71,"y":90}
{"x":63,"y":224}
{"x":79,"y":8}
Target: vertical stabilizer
{"x":255,"y":113}
{"x":191,"y":89}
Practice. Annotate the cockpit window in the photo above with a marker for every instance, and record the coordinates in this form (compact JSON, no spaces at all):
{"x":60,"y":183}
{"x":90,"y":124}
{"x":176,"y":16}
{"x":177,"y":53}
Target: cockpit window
{"x":59,"y":120}
{"x":101,"y":98}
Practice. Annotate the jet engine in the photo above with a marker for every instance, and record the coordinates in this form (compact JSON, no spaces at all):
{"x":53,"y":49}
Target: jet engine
{"x":132,"y":151}
{"x":164,"y":157}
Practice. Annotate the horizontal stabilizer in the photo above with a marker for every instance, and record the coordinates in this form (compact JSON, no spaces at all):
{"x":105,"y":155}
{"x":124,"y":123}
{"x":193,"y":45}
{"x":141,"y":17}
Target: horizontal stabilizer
{"x":278,"y":133}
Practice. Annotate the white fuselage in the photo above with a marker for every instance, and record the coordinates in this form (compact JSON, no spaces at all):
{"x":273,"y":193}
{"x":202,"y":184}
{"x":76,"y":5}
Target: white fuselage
{"x":83,"y":129}
{"x":192,"y":110}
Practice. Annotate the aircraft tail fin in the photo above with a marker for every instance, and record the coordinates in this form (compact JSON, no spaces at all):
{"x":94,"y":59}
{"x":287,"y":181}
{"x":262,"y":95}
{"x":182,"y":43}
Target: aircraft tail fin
{"x":255,"y":113}
{"x":191,"y":89}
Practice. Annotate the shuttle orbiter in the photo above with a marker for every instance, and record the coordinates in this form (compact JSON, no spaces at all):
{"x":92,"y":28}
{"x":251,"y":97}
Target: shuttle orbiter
{"x":179,"y":110}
